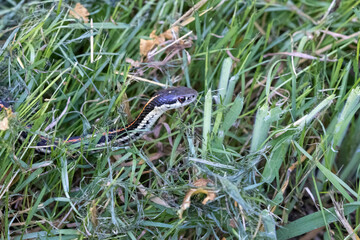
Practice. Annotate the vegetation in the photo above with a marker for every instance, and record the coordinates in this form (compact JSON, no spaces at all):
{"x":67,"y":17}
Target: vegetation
{"x":274,"y":131}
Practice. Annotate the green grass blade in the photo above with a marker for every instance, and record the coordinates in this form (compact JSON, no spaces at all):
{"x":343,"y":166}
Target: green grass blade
{"x":312,"y":222}
{"x":207,"y":122}
{"x":352,"y":105}
{"x":264,"y":117}
{"x":276,"y":159}
{"x":224,"y":80}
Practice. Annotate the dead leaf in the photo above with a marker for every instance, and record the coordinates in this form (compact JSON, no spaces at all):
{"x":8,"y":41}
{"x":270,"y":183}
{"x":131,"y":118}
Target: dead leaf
{"x":94,"y":213}
{"x":4,"y":124}
{"x":147,"y":45}
{"x":152,"y":197}
{"x":157,"y":39}
{"x":202,"y":186}
{"x":80,"y":12}
{"x":168,"y":34}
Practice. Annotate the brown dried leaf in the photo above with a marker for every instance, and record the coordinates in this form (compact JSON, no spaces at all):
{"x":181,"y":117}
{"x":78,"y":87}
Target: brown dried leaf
{"x":168,"y":34}
{"x":201,"y":187}
{"x":153,"y":198}
{"x":4,"y":124}
{"x":94,"y":213}
{"x":80,"y":12}
{"x":147,"y":45}
{"x":157,"y":39}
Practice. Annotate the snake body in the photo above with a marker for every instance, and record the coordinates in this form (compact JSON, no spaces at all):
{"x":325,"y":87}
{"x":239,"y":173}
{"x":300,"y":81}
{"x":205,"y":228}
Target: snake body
{"x":162,"y":101}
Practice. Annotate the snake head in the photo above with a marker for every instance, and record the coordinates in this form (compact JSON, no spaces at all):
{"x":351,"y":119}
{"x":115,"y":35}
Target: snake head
{"x":175,"y":97}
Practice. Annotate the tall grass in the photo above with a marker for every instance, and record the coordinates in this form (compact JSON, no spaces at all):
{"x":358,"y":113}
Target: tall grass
{"x":274,"y":128}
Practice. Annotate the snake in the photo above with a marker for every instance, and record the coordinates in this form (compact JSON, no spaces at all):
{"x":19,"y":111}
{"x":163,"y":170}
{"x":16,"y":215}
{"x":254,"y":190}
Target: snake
{"x":155,"y":107}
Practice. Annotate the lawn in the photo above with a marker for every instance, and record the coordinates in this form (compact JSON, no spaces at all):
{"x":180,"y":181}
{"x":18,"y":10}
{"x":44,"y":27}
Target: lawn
{"x":270,"y":149}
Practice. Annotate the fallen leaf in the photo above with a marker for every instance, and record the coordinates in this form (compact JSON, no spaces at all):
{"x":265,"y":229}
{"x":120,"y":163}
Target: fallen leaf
{"x":152,"y":197}
{"x":157,"y":39}
{"x":202,"y":186}
{"x":4,"y":124}
{"x":80,"y":12}
{"x":94,"y":213}
{"x":147,"y":45}
{"x":168,"y":34}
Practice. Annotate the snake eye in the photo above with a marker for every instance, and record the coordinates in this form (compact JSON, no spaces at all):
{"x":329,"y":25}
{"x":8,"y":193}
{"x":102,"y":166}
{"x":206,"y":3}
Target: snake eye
{"x":181,"y":99}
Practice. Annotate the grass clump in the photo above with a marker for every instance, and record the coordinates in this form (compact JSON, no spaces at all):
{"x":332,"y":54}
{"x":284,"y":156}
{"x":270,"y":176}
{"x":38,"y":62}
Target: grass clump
{"x":274,"y":130}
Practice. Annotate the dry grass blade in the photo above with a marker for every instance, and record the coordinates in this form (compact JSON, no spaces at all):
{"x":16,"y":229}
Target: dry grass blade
{"x":196,"y":7}
{"x":339,"y":210}
{"x":301,"y":55}
{"x":142,"y":79}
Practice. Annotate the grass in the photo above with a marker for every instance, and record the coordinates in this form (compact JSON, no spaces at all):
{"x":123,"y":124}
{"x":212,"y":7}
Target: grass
{"x":275,"y":127}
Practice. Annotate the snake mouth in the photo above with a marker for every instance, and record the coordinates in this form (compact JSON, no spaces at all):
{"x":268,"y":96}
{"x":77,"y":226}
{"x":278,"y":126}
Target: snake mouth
{"x":187,"y":96}
{"x":187,"y":99}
